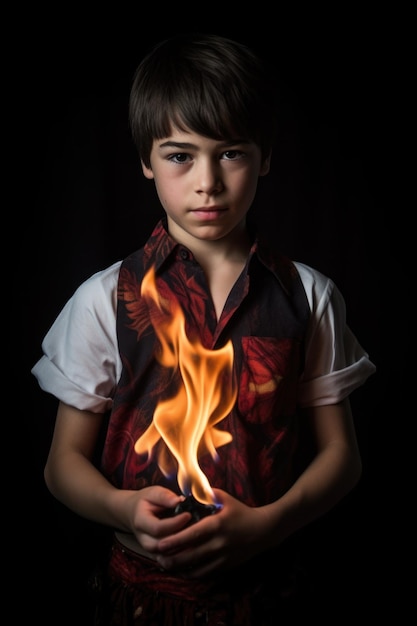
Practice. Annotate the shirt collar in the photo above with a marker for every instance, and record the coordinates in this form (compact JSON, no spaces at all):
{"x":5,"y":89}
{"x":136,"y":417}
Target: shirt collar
{"x":161,"y":245}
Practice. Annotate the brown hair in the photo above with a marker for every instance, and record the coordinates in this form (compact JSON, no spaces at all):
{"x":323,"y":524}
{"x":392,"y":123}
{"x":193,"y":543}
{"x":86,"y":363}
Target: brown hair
{"x":209,"y":84}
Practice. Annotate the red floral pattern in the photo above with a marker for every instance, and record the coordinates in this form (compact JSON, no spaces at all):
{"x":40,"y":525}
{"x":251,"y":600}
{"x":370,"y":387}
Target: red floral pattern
{"x":265,"y":317}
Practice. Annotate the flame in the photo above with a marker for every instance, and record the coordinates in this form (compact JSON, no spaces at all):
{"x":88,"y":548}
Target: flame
{"x":206,"y":394}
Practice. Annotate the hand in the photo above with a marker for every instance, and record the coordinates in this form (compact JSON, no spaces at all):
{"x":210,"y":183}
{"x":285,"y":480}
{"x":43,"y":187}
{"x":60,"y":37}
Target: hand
{"x":217,"y":542}
{"x":149,"y":514}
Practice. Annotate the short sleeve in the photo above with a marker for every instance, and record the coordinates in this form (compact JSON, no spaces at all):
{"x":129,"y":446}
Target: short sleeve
{"x":80,"y":364}
{"x":335,"y":363}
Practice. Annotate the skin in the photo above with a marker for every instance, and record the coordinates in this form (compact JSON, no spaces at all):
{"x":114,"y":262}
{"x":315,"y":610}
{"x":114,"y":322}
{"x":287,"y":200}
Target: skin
{"x":206,"y":188}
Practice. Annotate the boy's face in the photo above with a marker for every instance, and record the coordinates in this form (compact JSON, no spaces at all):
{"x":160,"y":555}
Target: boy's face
{"x":206,"y":186}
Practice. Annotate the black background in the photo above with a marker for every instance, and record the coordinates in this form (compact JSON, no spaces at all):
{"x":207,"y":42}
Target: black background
{"x":87,"y":204}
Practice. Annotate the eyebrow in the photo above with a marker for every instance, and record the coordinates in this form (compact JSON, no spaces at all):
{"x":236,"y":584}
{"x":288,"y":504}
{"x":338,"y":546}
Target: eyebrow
{"x":191,"y":146}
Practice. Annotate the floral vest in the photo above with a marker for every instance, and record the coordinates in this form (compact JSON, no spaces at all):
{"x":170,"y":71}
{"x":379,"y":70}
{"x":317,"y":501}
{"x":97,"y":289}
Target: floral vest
{"x":251,"y":452}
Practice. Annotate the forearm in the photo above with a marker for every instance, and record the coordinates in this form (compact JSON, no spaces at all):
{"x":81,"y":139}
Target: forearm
{"x":77,"y":483}
{"x":331,"y":475}
{"x":72,"y":477}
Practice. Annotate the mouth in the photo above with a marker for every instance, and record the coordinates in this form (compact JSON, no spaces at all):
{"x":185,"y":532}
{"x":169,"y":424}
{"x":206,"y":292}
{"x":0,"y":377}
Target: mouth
{"x":209,"y":213}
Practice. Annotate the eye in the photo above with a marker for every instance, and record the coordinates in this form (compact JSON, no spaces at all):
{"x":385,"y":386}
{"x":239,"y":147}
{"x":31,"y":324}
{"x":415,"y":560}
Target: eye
{"x":232,"y":155}
{"x":179,"y":157}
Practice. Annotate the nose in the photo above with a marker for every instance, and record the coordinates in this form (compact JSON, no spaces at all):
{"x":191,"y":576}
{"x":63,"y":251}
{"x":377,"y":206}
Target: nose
{"x":208,"y":177}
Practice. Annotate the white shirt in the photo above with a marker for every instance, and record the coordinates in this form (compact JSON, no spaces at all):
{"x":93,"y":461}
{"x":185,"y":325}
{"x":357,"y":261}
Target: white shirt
{"x":81,"y":363}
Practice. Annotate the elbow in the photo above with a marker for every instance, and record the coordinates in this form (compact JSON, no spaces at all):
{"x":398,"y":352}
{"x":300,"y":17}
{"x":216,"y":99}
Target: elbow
{"x":50,"y":482}
{"x":47,"y":476}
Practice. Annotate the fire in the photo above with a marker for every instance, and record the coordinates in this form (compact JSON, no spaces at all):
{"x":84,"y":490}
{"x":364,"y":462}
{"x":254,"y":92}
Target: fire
{"x":186,"y":422}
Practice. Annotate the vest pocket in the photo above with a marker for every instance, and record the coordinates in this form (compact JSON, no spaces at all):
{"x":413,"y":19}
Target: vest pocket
{"x":264,"y":379}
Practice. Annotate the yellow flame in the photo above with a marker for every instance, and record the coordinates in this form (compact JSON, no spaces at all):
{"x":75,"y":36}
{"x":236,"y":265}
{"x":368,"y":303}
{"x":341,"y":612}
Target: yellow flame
{"x":186,"y":422}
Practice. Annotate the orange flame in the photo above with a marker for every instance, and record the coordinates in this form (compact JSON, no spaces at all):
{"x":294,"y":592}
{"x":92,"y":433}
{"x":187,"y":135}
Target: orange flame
{"x":186,"y":422}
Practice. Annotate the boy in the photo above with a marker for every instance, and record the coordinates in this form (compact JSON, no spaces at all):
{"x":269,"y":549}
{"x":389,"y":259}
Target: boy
{"x":220,"y":370}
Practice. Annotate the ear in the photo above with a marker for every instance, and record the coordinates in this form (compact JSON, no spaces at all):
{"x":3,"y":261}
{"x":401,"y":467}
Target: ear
{"x":265,"y":165}
{"x":147,"y":171}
